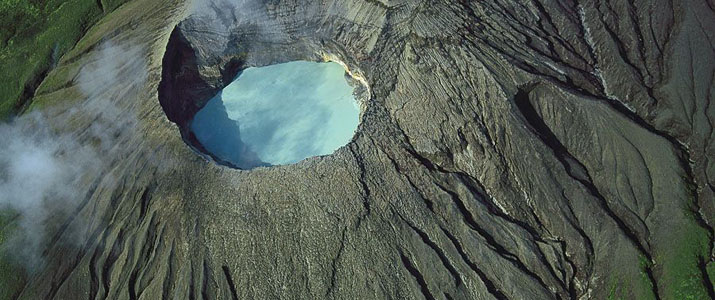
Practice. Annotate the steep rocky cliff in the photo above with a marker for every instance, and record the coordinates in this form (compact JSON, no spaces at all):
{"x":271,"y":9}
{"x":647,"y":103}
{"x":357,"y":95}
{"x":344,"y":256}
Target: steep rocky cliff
{"x":507,"y":149}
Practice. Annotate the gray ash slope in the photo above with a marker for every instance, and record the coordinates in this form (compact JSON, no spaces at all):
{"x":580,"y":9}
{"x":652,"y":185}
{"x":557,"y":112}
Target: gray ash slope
{"x":507,"y":150}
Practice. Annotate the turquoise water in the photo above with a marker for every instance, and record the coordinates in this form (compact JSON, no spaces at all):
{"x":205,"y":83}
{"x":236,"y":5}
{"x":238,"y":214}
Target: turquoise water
{"x":279,"y":114}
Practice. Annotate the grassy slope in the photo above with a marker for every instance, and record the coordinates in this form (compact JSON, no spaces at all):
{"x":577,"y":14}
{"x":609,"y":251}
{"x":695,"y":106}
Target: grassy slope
{"x":682,"y":275}
{"x":12,"y":276}
{"x":34,"y":34}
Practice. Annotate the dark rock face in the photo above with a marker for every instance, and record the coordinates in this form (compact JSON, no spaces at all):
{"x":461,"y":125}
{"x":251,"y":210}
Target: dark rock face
{"x":508,"y":150}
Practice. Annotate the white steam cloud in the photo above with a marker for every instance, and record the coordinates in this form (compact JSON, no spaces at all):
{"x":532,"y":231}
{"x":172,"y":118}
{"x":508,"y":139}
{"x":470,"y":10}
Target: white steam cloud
{"x":49,"y":158}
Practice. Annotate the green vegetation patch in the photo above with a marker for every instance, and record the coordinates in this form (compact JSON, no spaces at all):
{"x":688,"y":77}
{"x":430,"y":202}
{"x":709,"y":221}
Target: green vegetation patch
{"x":646,"y":286}
{"x":34,"y":34}
{"x":682,"y":276}
{"x":615,"y":291}
{"x":642,"y":288}
{"x":711,"y":272}
{"x":12,"y":275}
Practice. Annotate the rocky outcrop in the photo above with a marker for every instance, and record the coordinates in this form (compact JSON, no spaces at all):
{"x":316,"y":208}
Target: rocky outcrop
{"x":508,"y":150}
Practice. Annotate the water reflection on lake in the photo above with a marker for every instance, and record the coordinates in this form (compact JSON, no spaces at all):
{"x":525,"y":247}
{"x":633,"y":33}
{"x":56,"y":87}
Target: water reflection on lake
{"x":279,"y":114}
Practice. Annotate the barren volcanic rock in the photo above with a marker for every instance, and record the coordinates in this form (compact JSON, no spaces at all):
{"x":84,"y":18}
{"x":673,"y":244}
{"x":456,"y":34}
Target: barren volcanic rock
{"x":506,"y":150}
